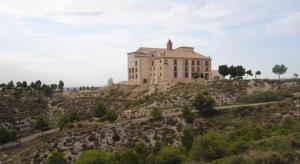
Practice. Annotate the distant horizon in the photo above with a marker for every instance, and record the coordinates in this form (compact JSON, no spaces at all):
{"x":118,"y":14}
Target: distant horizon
{"x":86,"y":42}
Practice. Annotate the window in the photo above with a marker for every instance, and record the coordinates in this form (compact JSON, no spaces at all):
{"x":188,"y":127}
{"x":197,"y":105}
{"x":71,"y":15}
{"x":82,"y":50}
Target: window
{"x":206,"y":69}
{"x":175,"y":68}
{"x":198,"y":62}
{"x":152,"y":63}
{"x":186,"y":74}
{"x":135,"y":69}
{"x":129,"y":70}
{"x":160,"y":61}
{"x":136,"y":76}
{"x":193,"y":69}
{"x":175,"y":74}
{"x":175,"y":62}
{"x":165,"y":61}
{"x":129,"y":76}
{"x":186,"y":69}
{"x":206,"y":63}
{"x":136,"y":63}
{"x":186,"y":62}
{"x":198,"y":69}
{"x":159,"y":74}
{"x":193,"y":62}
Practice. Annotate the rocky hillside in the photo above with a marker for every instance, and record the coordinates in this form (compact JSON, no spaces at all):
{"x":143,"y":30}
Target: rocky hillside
{"x":138,"y":102}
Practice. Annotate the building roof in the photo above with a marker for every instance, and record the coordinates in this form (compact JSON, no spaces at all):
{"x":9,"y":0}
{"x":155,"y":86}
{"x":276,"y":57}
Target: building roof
{"x":181,"y":52}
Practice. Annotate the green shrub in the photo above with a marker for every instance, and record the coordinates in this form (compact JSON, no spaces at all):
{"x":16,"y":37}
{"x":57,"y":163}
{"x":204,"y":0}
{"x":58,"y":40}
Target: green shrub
{"x":169,"y":155}
{"x":127,"y":156}
{"x":266,"y":96}
{"x":210,"y":146}
{"x":187,"y":139}
{"x":95,"y":157}
{"x":271,"y":158}
{"x":56,"y":158}
{"x":111,"y":115}
{"x":187,"y":114}
{"x":100,"y":110}
{"x":156,"y":114}
{"x":116,"y":136}
{"x":239,"y":159}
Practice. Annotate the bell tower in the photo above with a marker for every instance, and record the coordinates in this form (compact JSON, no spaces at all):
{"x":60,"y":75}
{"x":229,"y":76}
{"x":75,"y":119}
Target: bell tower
{"x":169,"y":45}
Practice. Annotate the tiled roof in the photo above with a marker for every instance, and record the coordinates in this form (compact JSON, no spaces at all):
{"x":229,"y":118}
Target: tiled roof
{"x":181,"y":52}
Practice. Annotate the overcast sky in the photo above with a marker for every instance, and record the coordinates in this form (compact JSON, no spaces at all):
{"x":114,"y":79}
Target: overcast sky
{"x":84,"y":42}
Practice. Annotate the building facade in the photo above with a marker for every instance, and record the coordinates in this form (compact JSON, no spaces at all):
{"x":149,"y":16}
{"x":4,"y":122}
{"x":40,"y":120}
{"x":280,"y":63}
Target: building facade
{"x":167,"y":65}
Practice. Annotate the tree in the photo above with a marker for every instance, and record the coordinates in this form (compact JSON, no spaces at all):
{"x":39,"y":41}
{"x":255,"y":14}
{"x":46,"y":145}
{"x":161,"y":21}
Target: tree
{"x":110,"y":81}
{"x":156,"y":114}
{"x":224,"y":70}
{"x":100,"y":110}
{"x":53,"y":87}
{"x":279,"y":70}
{"x":19,"y":85}
{"x":240,"y":71}
{"x":232,"y":72}
{"x":41,"y":123}
{"x":56,"y":158}
{"x":295,"y":75}
{"x":257,"y":73}
{"x":61,"y":85}
{"x":94,"y":156}
{"x":24,"y":84}
{"x":10,"y":85}
{"x":38,"y":85}
{"x":187,"y":114}
{"x":204,"y":103}
{"x":249,"y":73}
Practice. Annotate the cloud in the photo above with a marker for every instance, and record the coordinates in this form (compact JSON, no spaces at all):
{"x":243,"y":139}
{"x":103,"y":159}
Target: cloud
{"x":287,"y":24}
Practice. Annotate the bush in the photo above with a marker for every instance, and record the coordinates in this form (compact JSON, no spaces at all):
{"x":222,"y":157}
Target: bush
{"x":6,"y":136}
{"x":169,"y":155}
{"x":100,"y":110}
{"x":266,"y":96}
{"x":111,"y":115}
{"x":239,"y":159}
{"x":187,"y":114}
{"x":67,"y":119}
{"x":56,"y":158}
{"x":116,"y":136}
{"x":156,"y":114}
{"x":128,"y":156}
{"x":271,"y":158}
{"x":210,"y":146}
{"x":204,"y":103}
{"x":187,"y":139}
{"x":94,"y":156}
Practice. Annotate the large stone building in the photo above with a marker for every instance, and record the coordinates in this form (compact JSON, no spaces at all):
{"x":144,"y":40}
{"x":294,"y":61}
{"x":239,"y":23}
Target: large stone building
{"x":159,"y":65}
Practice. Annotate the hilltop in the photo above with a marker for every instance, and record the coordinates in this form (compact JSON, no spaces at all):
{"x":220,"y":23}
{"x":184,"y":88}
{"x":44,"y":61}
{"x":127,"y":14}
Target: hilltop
{"x":254,"y":132}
